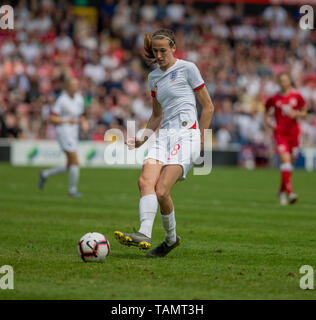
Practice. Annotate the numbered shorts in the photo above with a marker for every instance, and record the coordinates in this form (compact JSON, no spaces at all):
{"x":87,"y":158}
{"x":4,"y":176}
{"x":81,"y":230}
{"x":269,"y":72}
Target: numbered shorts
{"x":180,"y":147}
{"x":287,"y":145}
{"x":67,"y":143}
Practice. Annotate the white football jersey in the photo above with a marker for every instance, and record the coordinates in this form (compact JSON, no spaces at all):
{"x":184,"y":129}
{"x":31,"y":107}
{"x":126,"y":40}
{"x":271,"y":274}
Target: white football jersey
{"x":68,"y":108}
{"x":174,"y":90}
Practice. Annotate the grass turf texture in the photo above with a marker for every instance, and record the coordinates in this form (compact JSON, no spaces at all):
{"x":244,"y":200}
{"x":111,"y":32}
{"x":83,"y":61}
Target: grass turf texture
{"x":238,"y":243}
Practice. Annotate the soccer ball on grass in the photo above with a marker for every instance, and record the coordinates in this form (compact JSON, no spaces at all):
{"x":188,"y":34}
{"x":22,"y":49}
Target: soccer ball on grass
{"x":93,"y":247}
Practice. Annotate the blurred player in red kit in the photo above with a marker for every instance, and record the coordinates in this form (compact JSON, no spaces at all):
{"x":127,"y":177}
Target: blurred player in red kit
{"x":282,"y":113}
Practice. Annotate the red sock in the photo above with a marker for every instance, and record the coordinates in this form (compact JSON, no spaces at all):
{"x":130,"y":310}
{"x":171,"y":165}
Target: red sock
{"x":286,"y":185}
{"x":282,"y":185}
{"x":286,"y":181}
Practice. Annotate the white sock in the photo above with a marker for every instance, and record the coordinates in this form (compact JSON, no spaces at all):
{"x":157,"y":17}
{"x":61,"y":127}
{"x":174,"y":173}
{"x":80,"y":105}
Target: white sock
{"x":74,"y":173}
{"x":52,"y":171}
{"x":287,"y":166}
{"x":169,"y":224}
{"x":148,"y":206}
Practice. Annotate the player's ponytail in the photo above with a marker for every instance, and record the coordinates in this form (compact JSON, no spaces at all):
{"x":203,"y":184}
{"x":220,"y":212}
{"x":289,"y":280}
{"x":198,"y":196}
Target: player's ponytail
{"x":64,"y":78}
{"x":148,"y":51}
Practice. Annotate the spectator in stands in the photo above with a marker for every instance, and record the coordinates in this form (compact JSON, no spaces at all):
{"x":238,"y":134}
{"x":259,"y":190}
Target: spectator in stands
{"x":239,"y":54}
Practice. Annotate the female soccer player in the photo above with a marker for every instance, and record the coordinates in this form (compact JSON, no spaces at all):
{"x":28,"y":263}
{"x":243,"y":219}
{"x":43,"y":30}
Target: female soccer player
{"x":66,"y":115}
{"x":287,"y":106}
{"x":173,"y":85}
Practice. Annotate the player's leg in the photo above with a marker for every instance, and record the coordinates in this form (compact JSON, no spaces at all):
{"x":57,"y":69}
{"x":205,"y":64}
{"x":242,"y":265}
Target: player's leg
{"x":285,"y":170}
{"x":183,"y":151}
{"x":65,"y":144}
{"x":293,"y":197}
{"x":148,"y":205}
{"x":45,"y":174}
{"x":170,"y":174}
{"x":74,"y":173}
{"x":282,"y":150}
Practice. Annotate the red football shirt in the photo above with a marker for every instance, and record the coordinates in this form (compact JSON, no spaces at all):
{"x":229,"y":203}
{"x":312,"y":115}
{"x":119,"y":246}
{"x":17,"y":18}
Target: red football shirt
{"x":281,"y":104}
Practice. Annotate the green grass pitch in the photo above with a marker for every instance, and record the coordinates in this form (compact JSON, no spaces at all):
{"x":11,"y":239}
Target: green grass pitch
{"x":238,"y":243}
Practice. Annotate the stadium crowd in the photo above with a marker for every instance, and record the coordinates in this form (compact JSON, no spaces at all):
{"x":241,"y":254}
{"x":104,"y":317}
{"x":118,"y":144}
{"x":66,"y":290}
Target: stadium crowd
{"x":239,"y":54}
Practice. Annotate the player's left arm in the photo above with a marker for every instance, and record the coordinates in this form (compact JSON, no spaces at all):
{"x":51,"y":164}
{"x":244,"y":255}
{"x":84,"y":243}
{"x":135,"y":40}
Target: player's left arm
{"x":207,"y":110}
{"x":84,"y":124}
{"x":82,"y":117}
{"x":301,"y":112}
{"x":297,"y":114}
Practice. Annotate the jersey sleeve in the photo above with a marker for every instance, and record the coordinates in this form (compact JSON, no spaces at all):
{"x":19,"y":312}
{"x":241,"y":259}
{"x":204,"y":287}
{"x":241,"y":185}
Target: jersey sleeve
{"x":57,"y":108}
{"x":151,"y":86}
{"x":194,"y":77}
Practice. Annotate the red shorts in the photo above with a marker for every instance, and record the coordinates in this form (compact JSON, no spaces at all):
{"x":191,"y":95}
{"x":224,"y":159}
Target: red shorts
{"x":287,"y":145}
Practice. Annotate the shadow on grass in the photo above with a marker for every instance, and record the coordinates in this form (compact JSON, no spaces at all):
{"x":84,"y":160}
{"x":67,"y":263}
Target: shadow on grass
{"x":129,"y":255}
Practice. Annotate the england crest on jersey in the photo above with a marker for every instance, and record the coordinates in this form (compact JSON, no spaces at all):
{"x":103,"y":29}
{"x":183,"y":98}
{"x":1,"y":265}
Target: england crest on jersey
{"x":173,"y":75}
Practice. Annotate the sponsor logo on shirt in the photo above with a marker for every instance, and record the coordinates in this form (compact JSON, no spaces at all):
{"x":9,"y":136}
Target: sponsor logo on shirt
{"x":293,"y":102}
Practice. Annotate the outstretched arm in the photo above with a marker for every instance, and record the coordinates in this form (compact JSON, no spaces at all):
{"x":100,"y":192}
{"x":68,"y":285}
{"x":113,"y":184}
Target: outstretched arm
{"x":296,"y":114}
{"x":56,"y":120}
{"x":84,"y":124}
{"x":156,"y":116}
{"x":207,"y":110}
{"x":152,"y":125}
{"x":268,"y":120}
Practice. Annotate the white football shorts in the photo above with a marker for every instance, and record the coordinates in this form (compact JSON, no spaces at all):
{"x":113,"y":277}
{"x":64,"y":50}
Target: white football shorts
{"x":67,"y":143}
{"x":176,"y":146}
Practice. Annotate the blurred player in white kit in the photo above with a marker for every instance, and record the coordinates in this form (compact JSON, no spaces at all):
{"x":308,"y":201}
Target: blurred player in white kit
{"x":67,"y":114}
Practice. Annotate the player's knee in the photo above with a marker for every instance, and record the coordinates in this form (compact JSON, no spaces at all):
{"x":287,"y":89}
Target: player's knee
{"x":143,"y":183}
{"x":73,"y":159}
{"x":285,"y":157}
{"x":161,"y":192}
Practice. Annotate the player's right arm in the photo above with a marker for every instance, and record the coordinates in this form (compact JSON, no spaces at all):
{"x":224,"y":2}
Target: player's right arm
{"x":152,"y":125}
{"x":57,"y":111}
{"x":155,"y":119}
{"x":301,"y":112}
{"x":268,"y":114}
{"x":56,"y":120}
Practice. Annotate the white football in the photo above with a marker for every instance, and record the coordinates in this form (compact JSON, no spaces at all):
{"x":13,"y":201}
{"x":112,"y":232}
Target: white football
{"x":93,"y":247}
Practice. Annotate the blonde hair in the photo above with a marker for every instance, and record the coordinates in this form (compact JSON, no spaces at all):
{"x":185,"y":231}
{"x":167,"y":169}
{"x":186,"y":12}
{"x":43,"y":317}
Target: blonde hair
{"x":159,"y":34}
